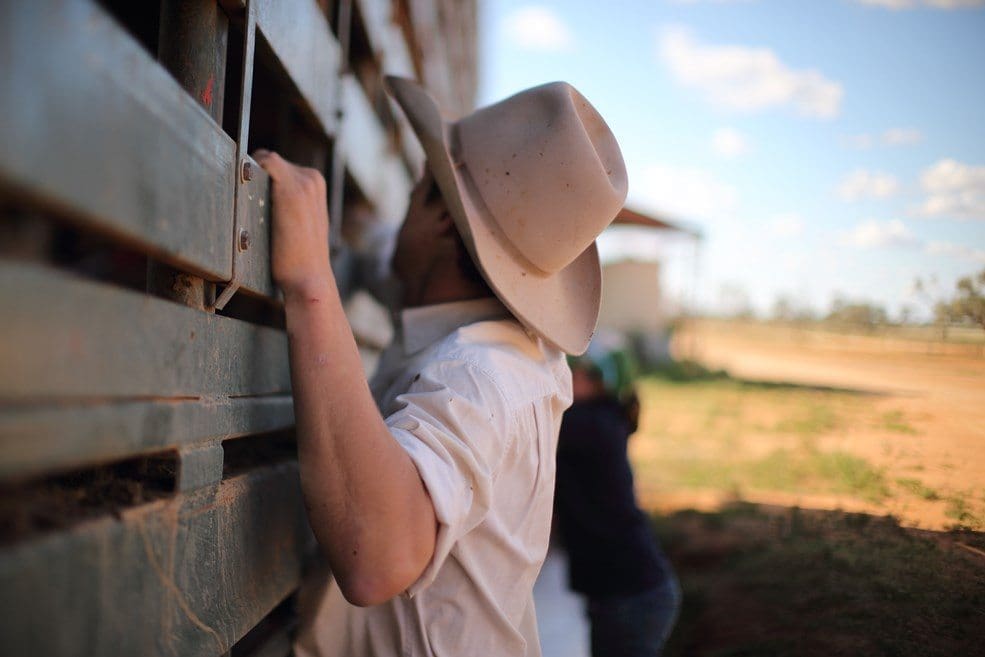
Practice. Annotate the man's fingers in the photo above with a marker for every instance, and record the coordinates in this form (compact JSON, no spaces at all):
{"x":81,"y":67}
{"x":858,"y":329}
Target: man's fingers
{"x":285,"y":172}
{"x":271,"y":161}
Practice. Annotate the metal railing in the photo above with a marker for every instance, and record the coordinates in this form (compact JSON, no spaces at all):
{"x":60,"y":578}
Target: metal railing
{"x":149,"y":502}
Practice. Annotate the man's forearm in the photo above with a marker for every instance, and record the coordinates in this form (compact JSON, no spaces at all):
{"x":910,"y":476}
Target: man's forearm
{"x":366,"y":502}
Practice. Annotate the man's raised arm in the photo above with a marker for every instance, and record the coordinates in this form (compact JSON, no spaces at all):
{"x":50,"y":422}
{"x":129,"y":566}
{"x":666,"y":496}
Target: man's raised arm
{"x":366,"y":502}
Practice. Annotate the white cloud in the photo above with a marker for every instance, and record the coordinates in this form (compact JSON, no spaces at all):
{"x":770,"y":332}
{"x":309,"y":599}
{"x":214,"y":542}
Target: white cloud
{"x":684,"y":192}
{"x":788,"y":224}
{"x":954,"y":189}
{"x":861,"y":184}
{"x":729,"y":143}
{"x":951,"y":250}
{"x":954,"y":4}
{"x":874,"y":234}
{"x":860,"y":142}
{"x":745,"y":78}
{"x":933,"y":4}
{"x":888,"y":4}
{"x":890,"y":137}
{"x":901,"y":136}
{"x":538,"y":28}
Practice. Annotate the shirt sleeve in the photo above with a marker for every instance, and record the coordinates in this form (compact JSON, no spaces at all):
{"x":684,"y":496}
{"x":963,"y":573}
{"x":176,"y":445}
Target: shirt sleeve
{"x":456,"y":426}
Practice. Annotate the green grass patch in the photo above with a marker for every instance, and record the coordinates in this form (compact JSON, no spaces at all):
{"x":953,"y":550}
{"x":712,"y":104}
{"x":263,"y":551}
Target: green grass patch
{"x":917,"y":487}
{"x":835,"y":472}
{"x":895,"y":421}
{"x":684,"y":371}
{"x":707,"y":431}
{"x":811,"y":419}
{"x":788,"y":470}
{"x":960,"y":510}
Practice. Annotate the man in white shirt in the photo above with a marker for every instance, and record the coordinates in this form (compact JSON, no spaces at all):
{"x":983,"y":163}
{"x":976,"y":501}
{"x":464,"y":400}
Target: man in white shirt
{"x":431,"y":494}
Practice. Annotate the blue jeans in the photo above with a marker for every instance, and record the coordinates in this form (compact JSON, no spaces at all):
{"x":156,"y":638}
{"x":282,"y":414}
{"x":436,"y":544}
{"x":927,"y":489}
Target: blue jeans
{"x":635,"y":625}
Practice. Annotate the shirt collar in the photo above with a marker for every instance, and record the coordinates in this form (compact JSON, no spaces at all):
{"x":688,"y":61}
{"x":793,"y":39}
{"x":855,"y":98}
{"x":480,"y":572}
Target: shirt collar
{"x":424,"y":325}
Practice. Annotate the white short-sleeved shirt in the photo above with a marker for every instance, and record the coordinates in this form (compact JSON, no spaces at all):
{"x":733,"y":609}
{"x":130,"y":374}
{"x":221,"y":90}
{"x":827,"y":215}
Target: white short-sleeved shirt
{"x":476,"y":401}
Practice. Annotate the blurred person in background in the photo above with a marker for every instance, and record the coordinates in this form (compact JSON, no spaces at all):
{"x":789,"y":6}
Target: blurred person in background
{"x":633,"y":596}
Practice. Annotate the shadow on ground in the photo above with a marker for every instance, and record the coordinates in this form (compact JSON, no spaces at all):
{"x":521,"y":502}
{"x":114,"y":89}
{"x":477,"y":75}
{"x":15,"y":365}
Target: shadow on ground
{"x":770,"y":581}
{"x":687,"y":371}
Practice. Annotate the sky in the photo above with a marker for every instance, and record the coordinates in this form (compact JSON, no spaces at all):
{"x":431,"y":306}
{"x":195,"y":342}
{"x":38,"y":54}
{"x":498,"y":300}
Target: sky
{"x":824,"y":148}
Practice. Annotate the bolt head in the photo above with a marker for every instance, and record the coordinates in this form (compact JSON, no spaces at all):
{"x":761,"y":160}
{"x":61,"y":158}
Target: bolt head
{"x":247,"y":170}
{"x":244,"y":240}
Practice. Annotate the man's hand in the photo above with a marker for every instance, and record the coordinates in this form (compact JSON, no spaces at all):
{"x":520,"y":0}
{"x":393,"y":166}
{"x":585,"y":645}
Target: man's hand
{"x":299,"y":235}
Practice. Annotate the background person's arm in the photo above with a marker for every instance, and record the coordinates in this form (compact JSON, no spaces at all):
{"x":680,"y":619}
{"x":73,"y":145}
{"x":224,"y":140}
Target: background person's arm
{"x":366,"y":502}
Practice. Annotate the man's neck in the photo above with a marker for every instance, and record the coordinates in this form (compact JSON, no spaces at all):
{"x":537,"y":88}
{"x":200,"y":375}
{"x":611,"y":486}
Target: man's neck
{"x":436,"y":297}
{"x":442,"y":285}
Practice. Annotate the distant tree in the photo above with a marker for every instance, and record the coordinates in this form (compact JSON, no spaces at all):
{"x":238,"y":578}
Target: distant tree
{"x":787,"y":309}
{"x":926,"y":292}
{"x":969,"y":304}
{"x":905,"y":314}
{"x":734,"y":302}
{"x":783,"y":309}
{"x":929,"y":294}
{"x":857,"y":314}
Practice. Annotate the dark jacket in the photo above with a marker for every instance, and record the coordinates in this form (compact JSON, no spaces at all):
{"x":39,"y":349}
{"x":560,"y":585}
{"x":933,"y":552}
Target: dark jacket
{"x":611,"y":549}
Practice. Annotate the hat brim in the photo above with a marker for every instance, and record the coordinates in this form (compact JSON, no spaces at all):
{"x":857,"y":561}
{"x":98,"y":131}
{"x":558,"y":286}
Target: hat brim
{"x":562,"y":307}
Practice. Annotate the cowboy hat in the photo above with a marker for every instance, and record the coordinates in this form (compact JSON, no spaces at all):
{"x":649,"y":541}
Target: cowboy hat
{"x":530,"y":182}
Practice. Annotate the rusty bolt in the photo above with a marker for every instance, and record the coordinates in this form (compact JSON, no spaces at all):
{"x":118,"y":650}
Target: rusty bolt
{"x":244,"y":240}
{"x":247,"y":170}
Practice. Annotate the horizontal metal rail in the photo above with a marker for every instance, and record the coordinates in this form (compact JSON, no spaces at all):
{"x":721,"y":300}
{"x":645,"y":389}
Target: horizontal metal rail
{"x":52,"y":437}
{"x":67,"y":338}
{"x":369,"y":155}
{"x":92,"y":126}
{"x":145,"y":156}
{"x":301,"y":39}
{"x":185,"y":576}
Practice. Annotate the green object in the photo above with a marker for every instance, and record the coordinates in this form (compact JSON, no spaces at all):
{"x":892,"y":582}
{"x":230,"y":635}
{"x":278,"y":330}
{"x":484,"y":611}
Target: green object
{"x":613,"y":363}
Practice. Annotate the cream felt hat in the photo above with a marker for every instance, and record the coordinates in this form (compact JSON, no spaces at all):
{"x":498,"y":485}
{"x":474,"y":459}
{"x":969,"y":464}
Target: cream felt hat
{"x":530,"y":182}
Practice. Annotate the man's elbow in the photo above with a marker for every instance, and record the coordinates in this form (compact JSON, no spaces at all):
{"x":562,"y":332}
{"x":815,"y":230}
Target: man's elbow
{"x":367,"y":591}
{"x":371,"y":585}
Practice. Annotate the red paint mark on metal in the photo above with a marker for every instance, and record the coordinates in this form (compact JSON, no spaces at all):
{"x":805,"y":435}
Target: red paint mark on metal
{"x":207,"y":92}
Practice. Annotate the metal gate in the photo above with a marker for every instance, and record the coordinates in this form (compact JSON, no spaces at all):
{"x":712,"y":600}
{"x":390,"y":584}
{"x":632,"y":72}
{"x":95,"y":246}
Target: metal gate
{"x":149,"y":498}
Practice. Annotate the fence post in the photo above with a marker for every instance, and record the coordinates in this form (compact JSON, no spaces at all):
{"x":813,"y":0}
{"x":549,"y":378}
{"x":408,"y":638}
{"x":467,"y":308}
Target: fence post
{"x":192,"y":46}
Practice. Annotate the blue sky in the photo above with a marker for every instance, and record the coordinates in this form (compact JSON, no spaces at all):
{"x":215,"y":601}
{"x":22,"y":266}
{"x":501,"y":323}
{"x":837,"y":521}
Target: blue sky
{"x":822,"y":146}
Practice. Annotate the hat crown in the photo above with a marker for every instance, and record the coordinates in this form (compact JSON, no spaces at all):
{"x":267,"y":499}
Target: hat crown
{"x":548,"y":170}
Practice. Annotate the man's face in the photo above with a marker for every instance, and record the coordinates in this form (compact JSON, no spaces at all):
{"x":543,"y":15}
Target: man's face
{"x":423,"y":235}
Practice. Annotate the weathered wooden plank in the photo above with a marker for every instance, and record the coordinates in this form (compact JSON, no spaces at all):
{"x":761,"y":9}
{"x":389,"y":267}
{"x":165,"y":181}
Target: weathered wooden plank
{"x":430,"y":38}
{"x":386,"y":37}
{"x":37,"y":439}
{"x":444,"y":32}
{"x":301,"y":39}
{"x":186,"y":576}
{"x":63,"y":337}
{"x":387,"y":41}
{"x":413,"y":153}
{"x":91,"y":125}
{"x":369,"y":155}
{"x":459,"y":25}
